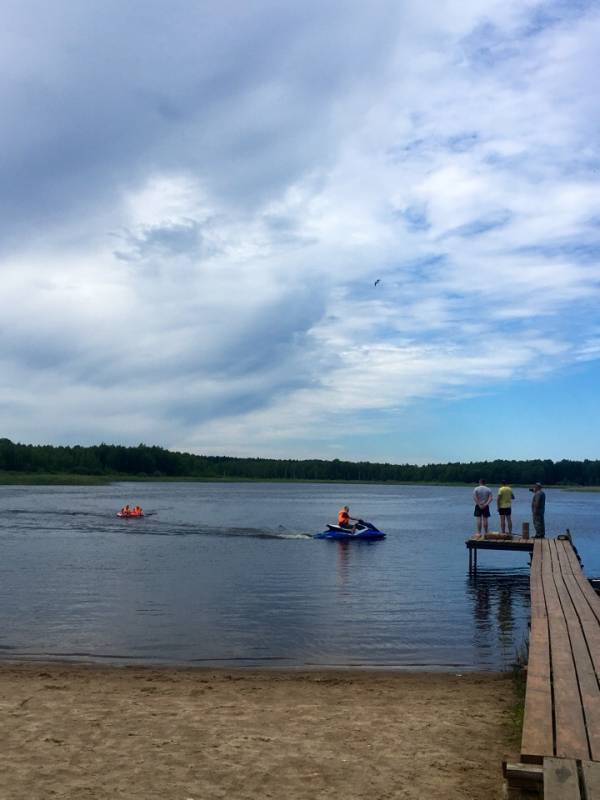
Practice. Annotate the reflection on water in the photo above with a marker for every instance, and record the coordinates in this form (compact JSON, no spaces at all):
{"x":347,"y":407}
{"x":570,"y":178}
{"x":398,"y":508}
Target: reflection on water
{"x":343,"y":555}
{"x":230,"y":574}
{"x":500,"y":601}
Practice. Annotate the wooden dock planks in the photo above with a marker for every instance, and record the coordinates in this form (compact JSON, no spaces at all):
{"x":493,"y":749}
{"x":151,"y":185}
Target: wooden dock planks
{"x":538,"y":736}
{"x":583,"y":602}
{"x":561,"y":779}
{"x":562,"y":701}
{"x":590,"y":595}
{"x":561,"y":725}
{"x":590,"y":772}
{"x":584,"y":634}
{"x":474,"y":545}
{"x":570,"y":733}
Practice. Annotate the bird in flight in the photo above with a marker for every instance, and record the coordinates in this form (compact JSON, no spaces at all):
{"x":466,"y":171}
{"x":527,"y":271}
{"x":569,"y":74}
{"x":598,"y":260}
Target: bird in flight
{"x":377,"y":281}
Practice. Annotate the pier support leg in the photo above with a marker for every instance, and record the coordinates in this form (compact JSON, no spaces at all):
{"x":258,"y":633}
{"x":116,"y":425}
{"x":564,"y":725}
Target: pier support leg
{"x":470,"y":560}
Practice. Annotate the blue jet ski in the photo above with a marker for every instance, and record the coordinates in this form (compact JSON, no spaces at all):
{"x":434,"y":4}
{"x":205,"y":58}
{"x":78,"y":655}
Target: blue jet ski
{"x":364,"y":531}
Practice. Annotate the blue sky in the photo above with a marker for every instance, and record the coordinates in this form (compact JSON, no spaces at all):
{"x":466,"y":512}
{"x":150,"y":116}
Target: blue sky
{"x":197,"y":202}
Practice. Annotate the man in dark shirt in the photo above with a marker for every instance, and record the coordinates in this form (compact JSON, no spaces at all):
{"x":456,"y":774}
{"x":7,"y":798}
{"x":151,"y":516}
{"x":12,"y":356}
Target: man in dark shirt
{"x":538,"y":507}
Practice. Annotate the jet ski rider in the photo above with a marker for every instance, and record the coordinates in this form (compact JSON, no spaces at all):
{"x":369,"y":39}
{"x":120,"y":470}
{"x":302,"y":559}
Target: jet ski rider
{"x":344,"y":519}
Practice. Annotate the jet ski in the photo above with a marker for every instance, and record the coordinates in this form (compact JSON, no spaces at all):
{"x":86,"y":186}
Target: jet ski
{"x":129,"y":514}
{"x":364,"y":531}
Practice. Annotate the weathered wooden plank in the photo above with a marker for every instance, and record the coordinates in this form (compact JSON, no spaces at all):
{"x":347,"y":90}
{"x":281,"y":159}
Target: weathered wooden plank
{"x":586,"y":674}
{"x":561,"y":781}
{"x":590,"y":771}
{"x":520,"y":545}
{"x":563,"y":674}
{"x":585,"y":601}
{"x":569,"y":552}
{"x":590,"y":595}
{"x":573,"y":574}
{"x":571,"y":738}
{"x":536,"y":587}
{"x":589,"y":622}
{"x":590,"y":627}
{"x":537,"y":738}
{"x":523,"y":776}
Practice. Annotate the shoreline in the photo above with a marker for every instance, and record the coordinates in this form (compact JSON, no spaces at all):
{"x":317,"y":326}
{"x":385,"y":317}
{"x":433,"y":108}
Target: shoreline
{"x":124,"y":663}
{"x":99,"y":732}
{"x":308,"y":672}
{"x":68,"y":479}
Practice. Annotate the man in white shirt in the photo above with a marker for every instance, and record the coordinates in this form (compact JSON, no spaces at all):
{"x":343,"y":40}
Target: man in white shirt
{"x":482,"y":495}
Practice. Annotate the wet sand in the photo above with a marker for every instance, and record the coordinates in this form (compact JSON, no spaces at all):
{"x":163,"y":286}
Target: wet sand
{"x":94,"y":733}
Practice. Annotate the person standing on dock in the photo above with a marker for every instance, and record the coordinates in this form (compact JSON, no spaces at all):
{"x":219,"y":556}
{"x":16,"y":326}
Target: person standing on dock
{"x":482,"y":495}
{"x":504,"y":501}
{"x":538,"y":508}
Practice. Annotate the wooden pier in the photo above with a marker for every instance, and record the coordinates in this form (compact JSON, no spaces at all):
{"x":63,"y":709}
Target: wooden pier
{"x":474,"y":544}
{"x":560,"y":746}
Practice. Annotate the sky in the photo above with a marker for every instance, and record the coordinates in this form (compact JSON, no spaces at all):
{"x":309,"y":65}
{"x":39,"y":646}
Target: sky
{"x":310,"y":230}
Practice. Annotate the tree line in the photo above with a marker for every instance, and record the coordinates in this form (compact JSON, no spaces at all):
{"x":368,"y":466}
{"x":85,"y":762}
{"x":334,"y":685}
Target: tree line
{"x":156,"y":462}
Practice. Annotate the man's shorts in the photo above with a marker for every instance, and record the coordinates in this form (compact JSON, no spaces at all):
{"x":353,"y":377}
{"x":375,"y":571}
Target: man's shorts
{"x":504,"y":512}
{"x":482,"y":512}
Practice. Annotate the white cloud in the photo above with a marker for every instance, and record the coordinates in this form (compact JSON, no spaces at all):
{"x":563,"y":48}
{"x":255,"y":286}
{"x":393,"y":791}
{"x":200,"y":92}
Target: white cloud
{"x":202,"y":208}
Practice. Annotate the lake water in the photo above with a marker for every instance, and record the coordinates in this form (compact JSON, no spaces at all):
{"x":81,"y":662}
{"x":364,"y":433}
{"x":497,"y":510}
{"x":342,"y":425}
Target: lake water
{"x":228,"y":575}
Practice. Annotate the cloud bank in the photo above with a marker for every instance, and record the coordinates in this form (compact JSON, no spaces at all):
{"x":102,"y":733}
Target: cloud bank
{"x":197,"y":203}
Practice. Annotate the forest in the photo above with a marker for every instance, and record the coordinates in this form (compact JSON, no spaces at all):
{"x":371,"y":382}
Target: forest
{"x":143,"y":461}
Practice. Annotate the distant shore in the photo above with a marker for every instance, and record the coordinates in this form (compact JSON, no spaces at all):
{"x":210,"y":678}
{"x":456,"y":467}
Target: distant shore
{"x":70,"y":479}
{"x":106,"y":732}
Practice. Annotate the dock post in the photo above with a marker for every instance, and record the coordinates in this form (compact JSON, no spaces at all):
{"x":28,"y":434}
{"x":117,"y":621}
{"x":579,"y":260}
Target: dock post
{"x":470,"y":560}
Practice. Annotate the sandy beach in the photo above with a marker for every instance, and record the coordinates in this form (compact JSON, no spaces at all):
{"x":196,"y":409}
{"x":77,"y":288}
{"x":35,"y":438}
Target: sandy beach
{"x":89,"y":732}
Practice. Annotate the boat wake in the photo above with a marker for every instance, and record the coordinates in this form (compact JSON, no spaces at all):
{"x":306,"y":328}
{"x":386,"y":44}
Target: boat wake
{"x":222,"y":532}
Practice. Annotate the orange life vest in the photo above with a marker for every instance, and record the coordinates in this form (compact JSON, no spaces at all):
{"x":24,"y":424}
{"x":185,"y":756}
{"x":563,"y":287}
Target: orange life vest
{"x":343,"y":517}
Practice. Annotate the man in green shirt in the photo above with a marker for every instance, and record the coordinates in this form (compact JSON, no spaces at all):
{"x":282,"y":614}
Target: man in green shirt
{"x":504,"y":501}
